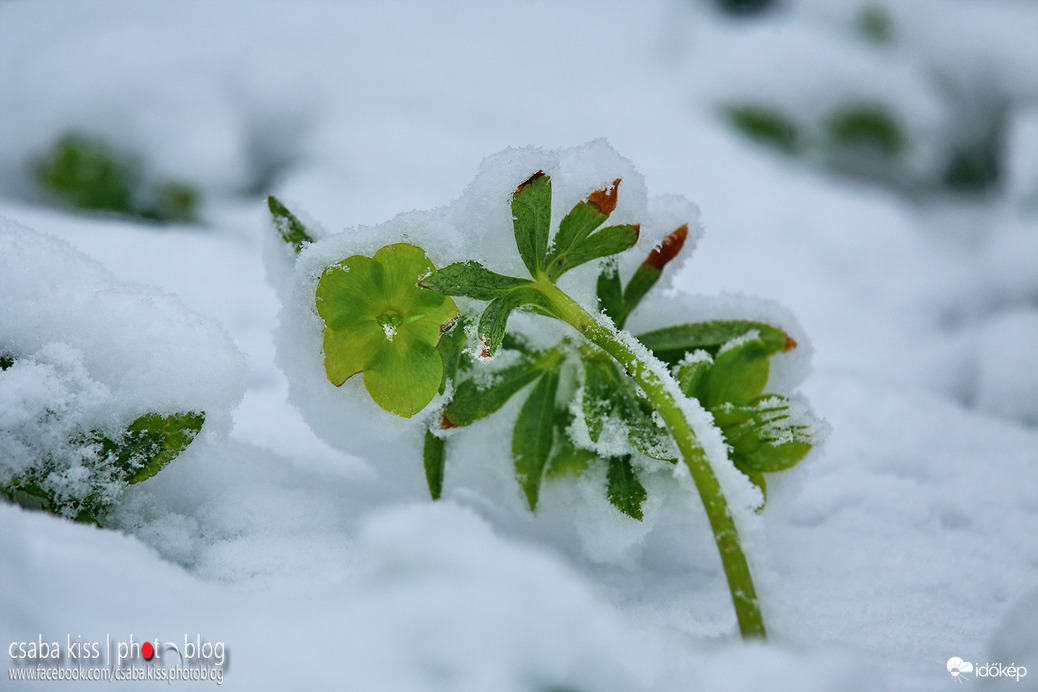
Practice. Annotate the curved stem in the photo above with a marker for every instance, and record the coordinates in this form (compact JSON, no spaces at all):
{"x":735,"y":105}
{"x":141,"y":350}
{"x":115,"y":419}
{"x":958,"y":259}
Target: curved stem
{"x":661,"y":393}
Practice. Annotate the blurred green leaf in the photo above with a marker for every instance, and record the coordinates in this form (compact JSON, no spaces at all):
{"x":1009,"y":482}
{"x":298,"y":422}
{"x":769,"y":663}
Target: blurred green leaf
{"x":766,"y":126}
{"x":867,"y":126}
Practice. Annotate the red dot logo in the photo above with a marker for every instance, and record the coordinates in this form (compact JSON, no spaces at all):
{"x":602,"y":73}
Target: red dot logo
{"x":147,"y":651}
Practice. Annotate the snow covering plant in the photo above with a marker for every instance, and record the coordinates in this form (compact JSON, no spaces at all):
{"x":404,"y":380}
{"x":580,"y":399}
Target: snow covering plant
{"x":52,"y":465}
{"x":598,"y":395}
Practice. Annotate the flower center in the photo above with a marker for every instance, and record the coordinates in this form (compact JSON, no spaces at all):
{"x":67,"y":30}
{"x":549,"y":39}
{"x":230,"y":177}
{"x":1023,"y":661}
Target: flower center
{"x":390,"y":320}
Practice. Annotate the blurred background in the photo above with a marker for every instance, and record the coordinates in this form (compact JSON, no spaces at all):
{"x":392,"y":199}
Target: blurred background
{"x":872,"y":165}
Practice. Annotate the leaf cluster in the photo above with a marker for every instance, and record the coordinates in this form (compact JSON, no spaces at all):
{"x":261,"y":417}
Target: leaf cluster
{"x":723,"y":364}
{"x":147,"y":445}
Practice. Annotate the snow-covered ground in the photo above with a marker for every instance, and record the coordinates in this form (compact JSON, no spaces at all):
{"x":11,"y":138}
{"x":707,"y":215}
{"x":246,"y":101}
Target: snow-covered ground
{"x":907,"y":539}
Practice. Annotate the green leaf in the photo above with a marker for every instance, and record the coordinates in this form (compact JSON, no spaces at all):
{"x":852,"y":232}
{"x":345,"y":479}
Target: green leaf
{"x":533,"y":436}
{"x":603,"y":243}
{"x":154,"y":440}
{"x":605,"y":393}
{"x":434,"y":454}
{"x":608,"y":394}
{"x":531,"y":220}
{"x":471,"y":402}
{"x":610,"y":294}
{"x":288,"y":225}
{"x":691,"y":375}
{"x":585,"y":217}
{"x":766,"y":126}
{"x":451,"y":349}
{"x":495,"y":317}
{"x":566,"y":457}
{"x":380,"y":322}
{"x":764,"y":435}
{"x":672,"y":343}
{"x":472,"y":280}
{"x":867,"y":126}
{"x":144,"y":449}
{"x":624,"y":490}
{"x":646,"y":276}
{"x":6,"y":361}
{"x":87,"y":174}
{"x":738,"y":374}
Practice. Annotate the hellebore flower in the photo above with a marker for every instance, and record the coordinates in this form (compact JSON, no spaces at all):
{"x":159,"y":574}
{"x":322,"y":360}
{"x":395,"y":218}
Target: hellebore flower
{"x":379,"y":321}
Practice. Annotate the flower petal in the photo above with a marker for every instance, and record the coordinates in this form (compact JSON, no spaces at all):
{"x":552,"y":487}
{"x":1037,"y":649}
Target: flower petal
{"x":404,"y":376}
{"x":347,"y":352}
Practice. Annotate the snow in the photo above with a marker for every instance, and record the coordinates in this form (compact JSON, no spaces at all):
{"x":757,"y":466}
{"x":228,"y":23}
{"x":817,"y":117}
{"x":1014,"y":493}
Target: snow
{"x":297,"y":530}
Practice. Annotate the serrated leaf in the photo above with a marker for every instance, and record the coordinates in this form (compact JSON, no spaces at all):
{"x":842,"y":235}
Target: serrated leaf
{"x":764,"y":435}
{"x":288,"y":225}
{"x":471,"y":402}
{"x":494,"y":319}
{"x":624,"y":490}
{"x":531,"y":220}
{"x":604,"y":243}
{"x":435,"y":457}
{"x":472,"y":280}
{"x":738,"y":374}
{"x":533,"y":436}
{"x":154,"y":440}
{"x":670,"y":344}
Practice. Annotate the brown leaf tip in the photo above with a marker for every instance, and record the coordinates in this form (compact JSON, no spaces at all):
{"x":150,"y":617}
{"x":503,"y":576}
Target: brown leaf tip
{"x":789,"y":345}
{"x":668,"y":248}
{"x":605,"y":199}
{"x":535,"y":176}
{"x":446,"y":424}
{"x":449,"y":325}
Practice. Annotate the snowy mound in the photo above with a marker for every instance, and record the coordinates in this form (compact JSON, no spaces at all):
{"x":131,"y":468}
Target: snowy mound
{"x":86,"y":354}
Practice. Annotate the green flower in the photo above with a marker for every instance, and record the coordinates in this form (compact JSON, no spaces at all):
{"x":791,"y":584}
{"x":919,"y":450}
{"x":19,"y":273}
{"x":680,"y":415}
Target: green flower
{"x":380,"y":322}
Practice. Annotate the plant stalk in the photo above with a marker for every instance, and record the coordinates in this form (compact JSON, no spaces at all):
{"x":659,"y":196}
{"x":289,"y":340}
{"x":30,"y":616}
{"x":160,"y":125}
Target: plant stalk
{"x":737,"y":571}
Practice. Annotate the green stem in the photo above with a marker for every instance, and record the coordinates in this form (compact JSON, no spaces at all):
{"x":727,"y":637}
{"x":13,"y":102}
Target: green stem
{"x":655,"y":387}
